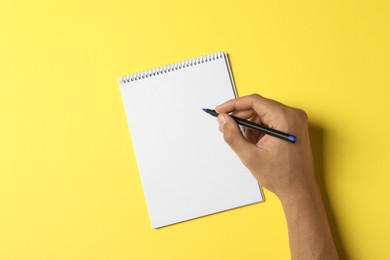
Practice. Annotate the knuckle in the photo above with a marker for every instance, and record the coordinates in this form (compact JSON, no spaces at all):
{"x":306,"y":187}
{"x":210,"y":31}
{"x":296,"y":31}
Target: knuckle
{"x":255,"y":96}
{"x":302,"y":114}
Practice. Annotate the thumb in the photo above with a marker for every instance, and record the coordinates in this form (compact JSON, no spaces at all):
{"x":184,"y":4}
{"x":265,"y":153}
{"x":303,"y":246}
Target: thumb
{"x":234,"y":138}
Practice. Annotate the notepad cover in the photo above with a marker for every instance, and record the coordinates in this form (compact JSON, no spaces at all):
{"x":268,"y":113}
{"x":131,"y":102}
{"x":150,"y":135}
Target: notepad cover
{"x":186,"y":168}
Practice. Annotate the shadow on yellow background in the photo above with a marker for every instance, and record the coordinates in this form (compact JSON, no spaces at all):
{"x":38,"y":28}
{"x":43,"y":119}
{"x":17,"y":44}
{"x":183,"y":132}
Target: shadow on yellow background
{"x":317,"y":135}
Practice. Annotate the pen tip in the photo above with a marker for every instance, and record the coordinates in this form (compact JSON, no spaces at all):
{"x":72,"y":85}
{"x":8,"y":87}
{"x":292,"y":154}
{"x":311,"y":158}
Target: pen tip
{"x":204,"y":109}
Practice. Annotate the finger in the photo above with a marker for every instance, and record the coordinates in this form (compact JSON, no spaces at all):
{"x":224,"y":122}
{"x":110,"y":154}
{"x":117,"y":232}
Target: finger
{"x":234,"y":138}
{"x":267,"y":109}
{"x":237,"y":104}
{"x":253,"y":135}
{"x":244,"y":114}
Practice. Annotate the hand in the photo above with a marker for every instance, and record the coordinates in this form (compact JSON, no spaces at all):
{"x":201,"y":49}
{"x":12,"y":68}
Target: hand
{"x":287,"y":169}
{"x":282,"y":167}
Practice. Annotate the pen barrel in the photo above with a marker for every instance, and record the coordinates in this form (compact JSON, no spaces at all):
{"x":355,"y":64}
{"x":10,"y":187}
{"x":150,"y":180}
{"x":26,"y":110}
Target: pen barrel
{"x":257,"y":127}
{"x":265,"y":130}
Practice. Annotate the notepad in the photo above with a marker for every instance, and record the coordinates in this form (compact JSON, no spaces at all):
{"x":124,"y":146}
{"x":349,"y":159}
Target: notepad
{"x":186,"y":168}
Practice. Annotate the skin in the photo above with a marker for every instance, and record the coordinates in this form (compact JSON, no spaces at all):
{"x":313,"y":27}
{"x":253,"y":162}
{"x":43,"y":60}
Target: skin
{"x":284,"y":168}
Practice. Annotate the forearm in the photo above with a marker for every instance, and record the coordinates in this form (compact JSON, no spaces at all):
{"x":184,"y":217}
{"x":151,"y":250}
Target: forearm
{"x":309,"y":232}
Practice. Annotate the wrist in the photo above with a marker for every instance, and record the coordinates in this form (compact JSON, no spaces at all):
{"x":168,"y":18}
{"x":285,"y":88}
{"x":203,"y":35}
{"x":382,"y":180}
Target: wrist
{"x":306,"y":192}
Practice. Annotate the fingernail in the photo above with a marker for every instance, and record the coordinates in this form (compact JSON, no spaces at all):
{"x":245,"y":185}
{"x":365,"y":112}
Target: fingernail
{"x":221,"y":120}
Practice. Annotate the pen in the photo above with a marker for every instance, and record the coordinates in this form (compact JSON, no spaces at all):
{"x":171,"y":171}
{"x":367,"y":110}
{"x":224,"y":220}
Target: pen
{"x":254,"y":126}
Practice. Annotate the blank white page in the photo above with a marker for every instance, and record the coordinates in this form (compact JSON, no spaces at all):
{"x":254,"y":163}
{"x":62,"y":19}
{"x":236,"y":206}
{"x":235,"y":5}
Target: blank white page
{"x":187,"y":170}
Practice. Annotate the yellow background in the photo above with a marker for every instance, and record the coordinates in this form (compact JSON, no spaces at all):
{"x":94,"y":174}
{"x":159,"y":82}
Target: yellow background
{"x":69,"y":185}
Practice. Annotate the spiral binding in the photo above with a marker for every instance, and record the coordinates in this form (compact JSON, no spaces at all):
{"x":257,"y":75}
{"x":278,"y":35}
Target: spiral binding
{"x":171,"y":67}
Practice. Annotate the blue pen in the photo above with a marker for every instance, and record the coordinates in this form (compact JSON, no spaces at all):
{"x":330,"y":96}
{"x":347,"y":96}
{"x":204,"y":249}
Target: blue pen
{"x":254,"y":126}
